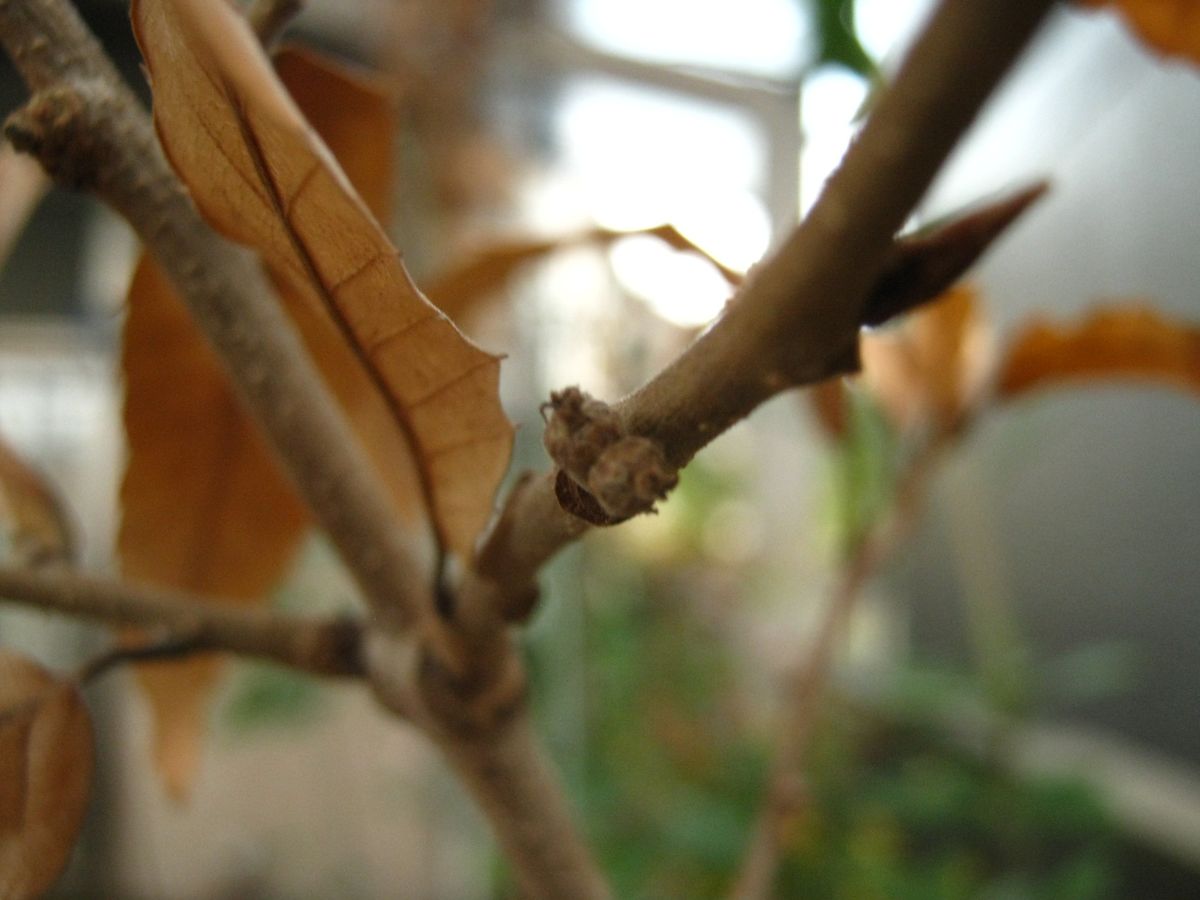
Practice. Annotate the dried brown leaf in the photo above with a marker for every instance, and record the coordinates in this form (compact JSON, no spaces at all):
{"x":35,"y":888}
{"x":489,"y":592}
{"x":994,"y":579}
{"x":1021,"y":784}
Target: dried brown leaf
{"x":46,"y":761}
{"x":187,"y":384}
{"x":204,"y":505}
{"x":1172,"y":27}
{"x":827,"y":401}
{"x":356,"y":118}
{"x":260,"y":174}
{"x":929,"y":370}
{"x":1131,"y":342}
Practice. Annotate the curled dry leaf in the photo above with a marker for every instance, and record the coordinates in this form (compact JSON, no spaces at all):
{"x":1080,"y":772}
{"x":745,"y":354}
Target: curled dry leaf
{"x":34,"y":529}
{"x":1121,"y":343}
{"x":1172,"y":27}
{"x":260,"y":174}
{"x":46,"y":761}
{"x":356,"y":119}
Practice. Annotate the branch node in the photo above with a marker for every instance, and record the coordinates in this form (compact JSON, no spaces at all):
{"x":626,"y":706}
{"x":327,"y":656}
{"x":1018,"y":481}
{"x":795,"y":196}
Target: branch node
{"x":606,"y":475}
{"x":56,"y":126}
{"x":476,"y":704}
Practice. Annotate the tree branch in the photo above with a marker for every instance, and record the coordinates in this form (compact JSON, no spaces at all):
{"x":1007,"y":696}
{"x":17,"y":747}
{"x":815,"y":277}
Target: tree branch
{"x":320,"y":646}
{"x":796,"y":319}
{"x":514,"y":783}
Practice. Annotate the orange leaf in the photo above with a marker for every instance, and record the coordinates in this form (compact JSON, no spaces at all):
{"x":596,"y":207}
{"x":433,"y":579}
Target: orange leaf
{"x":46,"y":760}
{"x":354,"y":117}
{"x":260,"y":174}
{"x":930,"y":368}
{"x":1171,"y":27}
{"x":33,"y":524}
{"x":827,"y":401}
{"x":1124,"y":342}
{"x":204,"y":505}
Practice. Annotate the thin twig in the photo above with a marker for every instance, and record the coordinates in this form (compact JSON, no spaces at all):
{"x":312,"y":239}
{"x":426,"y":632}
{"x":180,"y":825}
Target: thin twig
{"x":269,"y":18}
{"x":328,"y":646}
{"x":787,"y":790}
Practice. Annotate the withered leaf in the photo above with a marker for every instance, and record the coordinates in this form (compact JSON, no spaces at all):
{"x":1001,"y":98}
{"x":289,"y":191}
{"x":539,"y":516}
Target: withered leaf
{"x":930,"y":368}
{"x":46,"y":761}
{"x":356,"y":119}
{"x":1172,"y":27}
{"x":260,"y":174}
{"x":204,"y":505}
{"x":34,"y":528}
{"x":827,"y":402}
{"x":1129,"y":342}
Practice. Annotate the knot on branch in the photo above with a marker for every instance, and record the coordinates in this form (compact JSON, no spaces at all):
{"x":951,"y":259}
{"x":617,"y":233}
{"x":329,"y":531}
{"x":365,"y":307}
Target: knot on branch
{"x":606,"y":475}
{"x":57,"y":126}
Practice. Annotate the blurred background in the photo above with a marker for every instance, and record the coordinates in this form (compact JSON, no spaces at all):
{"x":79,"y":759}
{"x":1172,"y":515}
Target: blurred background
{"x":1015,"y":714}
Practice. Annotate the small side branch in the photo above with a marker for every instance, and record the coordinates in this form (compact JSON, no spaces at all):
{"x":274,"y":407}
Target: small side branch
{"x":321,"y":646}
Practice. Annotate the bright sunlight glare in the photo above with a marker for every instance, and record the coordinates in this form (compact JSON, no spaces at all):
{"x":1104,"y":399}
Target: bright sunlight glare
{"x":886,"y":26}
{"x":757,"y":37}
{"x":644,"y":158}
{"x":831,"y":98}
{"x":681,"y":287}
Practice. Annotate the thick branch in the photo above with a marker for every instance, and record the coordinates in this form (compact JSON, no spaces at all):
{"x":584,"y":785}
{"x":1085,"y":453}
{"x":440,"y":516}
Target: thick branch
{"x":511,"y":778}
{"x":88,"y":130}
{"x":796,"y":320}
{"x":320,"y":646}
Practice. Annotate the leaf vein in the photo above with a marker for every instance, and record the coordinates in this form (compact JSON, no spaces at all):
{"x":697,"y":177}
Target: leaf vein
{"x":446,"y":385}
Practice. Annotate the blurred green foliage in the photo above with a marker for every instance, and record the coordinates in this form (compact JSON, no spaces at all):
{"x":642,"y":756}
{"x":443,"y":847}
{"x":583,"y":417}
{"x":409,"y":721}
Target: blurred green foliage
{"x":669,"y":760}
{"x":837,"y":41}
{"x":865,"y":465}
{"x":263,"y":697}
{"x":899,"y":810}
